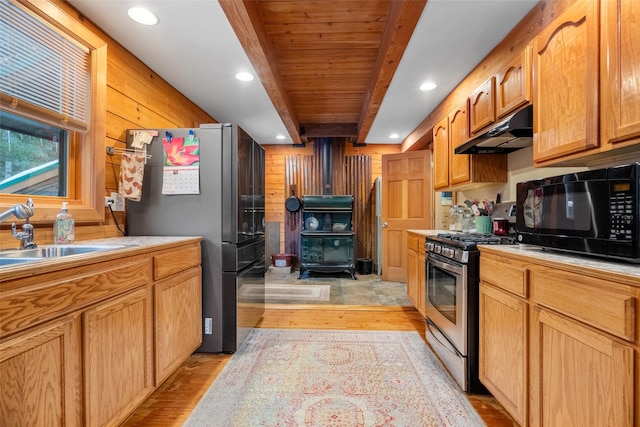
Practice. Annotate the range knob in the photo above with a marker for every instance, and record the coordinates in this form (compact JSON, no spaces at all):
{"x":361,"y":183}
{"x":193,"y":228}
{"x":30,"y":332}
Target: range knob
{"x":430,"y":246}
{"x":437,"y":248}
{"x":448,"y":252}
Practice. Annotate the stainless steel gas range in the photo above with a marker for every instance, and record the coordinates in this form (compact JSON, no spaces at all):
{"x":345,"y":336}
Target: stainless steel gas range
{"x":452,"y":288}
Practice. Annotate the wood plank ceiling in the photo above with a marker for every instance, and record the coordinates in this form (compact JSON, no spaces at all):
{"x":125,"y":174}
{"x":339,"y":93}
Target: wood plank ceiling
{"x":325,"y":64}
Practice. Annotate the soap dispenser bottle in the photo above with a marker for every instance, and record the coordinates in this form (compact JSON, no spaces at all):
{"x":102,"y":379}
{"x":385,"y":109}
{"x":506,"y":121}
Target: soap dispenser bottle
{"x":63,"y":227}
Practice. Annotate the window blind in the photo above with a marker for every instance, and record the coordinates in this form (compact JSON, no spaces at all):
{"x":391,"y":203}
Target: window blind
{"x":41,"y":67}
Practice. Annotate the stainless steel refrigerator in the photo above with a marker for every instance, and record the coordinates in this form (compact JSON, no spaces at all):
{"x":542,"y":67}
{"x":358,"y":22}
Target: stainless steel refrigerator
{"x":228,"y":212}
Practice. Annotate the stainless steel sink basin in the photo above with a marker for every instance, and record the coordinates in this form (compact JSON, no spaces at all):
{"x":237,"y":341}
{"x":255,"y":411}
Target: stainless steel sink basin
{"x":12,"y":261}
{"x":11,"y":257}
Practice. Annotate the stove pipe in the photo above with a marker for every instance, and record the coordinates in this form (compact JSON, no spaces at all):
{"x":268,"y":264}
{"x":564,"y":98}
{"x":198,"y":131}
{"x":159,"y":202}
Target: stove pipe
{"x":326,"y":166}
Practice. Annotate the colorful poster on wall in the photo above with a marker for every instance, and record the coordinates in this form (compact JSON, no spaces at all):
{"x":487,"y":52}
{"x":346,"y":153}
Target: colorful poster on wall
{"x":181,"y":172}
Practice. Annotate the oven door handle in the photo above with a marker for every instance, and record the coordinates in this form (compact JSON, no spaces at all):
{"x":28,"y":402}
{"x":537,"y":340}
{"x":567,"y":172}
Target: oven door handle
{"x":444,"y":266}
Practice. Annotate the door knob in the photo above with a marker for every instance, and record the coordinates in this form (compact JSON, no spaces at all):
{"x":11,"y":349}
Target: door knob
{"x":384,"y":224}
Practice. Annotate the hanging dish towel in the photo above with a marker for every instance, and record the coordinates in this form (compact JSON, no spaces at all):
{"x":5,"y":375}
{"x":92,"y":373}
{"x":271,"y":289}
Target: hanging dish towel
{"x":131,"y":175}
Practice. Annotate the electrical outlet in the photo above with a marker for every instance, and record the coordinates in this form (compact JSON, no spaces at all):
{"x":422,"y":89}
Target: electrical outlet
{"x":116,"y":201}
{"x":119,"y":202}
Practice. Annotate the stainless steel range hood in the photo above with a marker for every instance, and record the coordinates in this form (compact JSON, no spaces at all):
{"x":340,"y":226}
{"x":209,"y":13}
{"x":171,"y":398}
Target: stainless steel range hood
{"x":511,"y":134}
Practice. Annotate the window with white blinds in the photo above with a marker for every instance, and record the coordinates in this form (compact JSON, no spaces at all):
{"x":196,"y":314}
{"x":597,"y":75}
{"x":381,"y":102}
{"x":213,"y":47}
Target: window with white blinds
{"x":40,"y":69}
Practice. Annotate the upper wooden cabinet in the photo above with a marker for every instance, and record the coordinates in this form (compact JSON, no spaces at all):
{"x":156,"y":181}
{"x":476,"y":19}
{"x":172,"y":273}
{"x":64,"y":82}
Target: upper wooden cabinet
{"x":460,"y":170}
{"x":502,"y":94}
{"x":620,"y":76}
{"x":459,"y":164}
{"x":441,"y":154}
{"x":565,"y":84}
{"x":513,"y":84}
{"x":482,"y":106}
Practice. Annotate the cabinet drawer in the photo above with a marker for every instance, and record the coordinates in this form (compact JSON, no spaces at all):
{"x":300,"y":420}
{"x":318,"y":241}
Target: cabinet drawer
{"x":601,"y":304}
{"x":415,"y":243}
{"x":510,"y":275}
{"x":175,"y":260}
{"x":44,"y":297}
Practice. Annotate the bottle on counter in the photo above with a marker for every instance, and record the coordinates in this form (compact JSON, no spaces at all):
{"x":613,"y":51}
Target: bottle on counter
{"x":469,"y":223}
{"x":456,"y":215}
{"x":63,"y":227}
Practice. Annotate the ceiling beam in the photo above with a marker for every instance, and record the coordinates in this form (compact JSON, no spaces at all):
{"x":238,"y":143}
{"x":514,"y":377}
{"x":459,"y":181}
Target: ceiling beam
{"x":244,"y":18}
{"x":403,"y":18}
{"x":321,"y":130}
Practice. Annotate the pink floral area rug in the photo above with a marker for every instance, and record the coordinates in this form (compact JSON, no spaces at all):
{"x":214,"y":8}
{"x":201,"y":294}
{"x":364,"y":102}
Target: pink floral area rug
{"x":319,"y":378}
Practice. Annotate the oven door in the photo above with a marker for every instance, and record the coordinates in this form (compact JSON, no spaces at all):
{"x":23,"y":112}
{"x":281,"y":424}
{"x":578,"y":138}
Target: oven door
{"x":446,"y":298}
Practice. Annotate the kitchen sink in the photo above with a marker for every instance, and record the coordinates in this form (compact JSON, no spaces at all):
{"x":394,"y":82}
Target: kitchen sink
{"x":15,"y":256}
{"x":12,"y":261}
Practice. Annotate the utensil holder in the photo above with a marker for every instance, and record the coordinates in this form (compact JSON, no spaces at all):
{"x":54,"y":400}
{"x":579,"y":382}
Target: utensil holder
{"x":484,"y":224}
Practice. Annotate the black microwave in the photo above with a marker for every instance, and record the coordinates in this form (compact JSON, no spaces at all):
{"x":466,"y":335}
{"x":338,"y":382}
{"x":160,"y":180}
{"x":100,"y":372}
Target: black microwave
{"x":594,"y":212}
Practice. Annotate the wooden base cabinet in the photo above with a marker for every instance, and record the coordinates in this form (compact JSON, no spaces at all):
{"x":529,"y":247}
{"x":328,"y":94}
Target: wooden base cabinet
{"x":178,"y":320}
{"x":583,"y":367}
{"x":85,"y":345}
{"x":580,"y":376}
{"x":118,"y":357}
{"x":40,"y":379}
{"x":558,"y":341}
{"x":504,"y":333}
{"x":504,"y":325}
{"x":416,"y":271}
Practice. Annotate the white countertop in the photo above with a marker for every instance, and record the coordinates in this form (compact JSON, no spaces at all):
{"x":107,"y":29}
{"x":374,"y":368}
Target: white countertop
{"x":141,"y":241}
{"x":558,"y":257}
{"x":126,"y":246}
{"x":428,"y":232}
{"x":576,"y":261}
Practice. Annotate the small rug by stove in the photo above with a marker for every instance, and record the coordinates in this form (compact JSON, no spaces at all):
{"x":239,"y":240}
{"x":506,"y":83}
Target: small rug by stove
{"x":287,"y":292}
{"x":318,"y":378}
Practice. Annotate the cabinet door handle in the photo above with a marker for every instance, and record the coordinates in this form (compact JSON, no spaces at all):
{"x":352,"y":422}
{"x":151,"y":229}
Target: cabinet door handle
{"x":384,"y":225}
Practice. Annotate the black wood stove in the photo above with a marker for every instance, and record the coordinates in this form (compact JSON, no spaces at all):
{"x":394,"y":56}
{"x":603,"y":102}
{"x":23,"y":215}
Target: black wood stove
{"x":327,"y":241}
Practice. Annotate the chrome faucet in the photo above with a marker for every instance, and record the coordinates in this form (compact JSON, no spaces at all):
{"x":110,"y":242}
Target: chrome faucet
{"x":22,"y":211}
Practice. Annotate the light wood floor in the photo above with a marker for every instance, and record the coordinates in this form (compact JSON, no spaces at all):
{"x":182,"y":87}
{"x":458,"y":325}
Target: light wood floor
{"x":172,"y":403}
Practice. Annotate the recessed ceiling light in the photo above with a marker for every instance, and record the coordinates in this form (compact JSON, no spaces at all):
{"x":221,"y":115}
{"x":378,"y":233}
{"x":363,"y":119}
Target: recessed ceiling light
{"x":394,"y":136}
{"x":142,"y":16}
{"x":281,"y":137}
{"x":428,"y":86}
{"x":244,"y":76}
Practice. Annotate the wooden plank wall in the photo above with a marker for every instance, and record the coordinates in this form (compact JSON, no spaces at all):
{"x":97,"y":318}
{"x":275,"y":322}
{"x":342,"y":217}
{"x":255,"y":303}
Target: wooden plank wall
{"x":136,"y":98}
{"x":357,"y":176}
{"x":300,"y":177}
{"x":276,"y":181}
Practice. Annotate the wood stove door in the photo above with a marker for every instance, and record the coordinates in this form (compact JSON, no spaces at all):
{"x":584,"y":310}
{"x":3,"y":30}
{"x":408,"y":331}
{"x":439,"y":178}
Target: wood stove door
{"x":327,"y":252}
